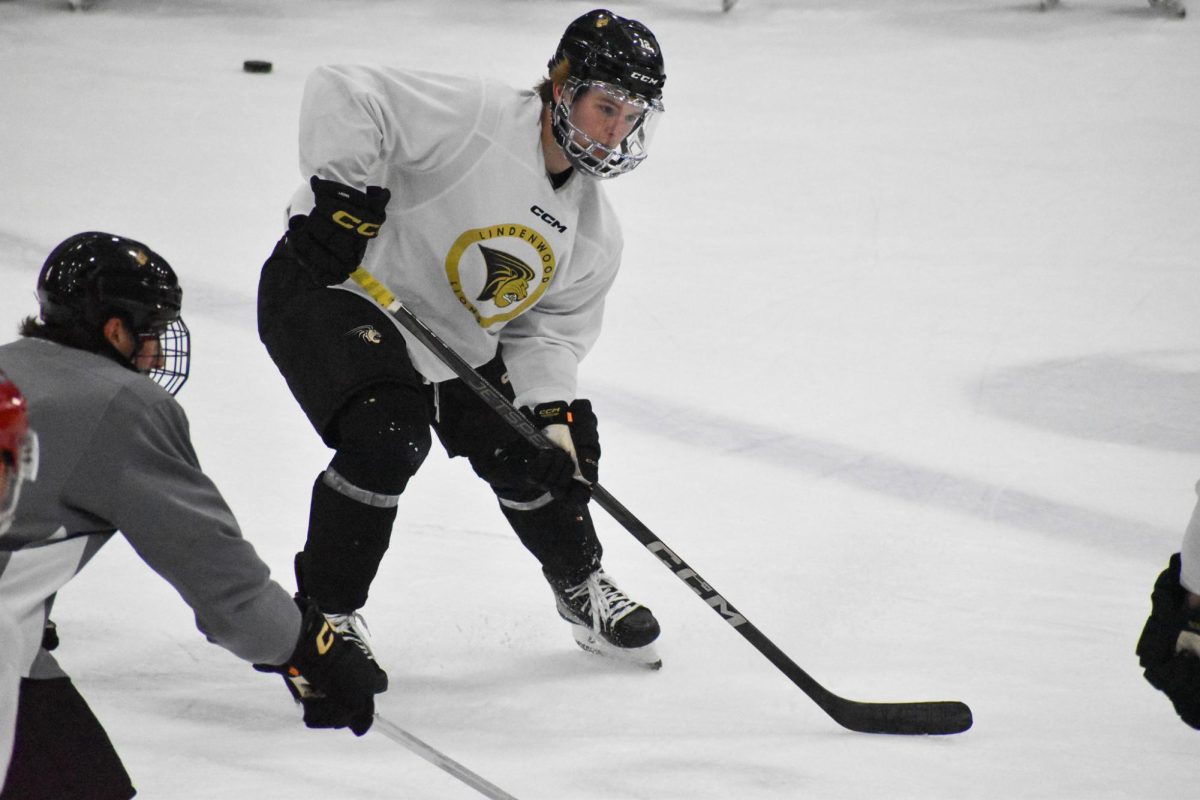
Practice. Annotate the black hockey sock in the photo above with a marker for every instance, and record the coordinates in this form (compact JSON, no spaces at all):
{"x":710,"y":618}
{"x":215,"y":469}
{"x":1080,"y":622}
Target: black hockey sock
{"x":346,"y":542}
{"x":561,"y":536}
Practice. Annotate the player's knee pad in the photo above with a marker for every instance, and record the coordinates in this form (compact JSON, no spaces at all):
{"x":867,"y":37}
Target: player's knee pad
{"x":509,"y":480}
{"x":382,"y":439}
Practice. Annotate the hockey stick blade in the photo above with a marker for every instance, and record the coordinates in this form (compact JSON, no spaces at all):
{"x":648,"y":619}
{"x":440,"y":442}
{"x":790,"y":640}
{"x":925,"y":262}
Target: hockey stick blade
{"x":938,"y":717}
{"x":439,"y":759}
{"x":934,"y":718}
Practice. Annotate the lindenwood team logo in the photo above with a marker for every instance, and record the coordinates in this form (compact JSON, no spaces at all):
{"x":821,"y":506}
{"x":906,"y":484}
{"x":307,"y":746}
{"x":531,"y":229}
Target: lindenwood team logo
{"x":500,"y":271}
{"x":508,"y":278}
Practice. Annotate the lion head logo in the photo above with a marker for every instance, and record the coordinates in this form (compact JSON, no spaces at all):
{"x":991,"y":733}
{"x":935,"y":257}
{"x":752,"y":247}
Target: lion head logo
{"x":507,"y":280}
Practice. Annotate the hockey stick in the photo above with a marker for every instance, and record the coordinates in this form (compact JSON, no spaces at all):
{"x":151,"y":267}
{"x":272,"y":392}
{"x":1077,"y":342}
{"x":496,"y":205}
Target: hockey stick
{"x":934,"y":717}
{"x":439,"y":759}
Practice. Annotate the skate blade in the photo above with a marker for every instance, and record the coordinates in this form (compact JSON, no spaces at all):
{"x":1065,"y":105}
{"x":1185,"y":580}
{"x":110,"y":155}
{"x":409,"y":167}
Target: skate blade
{"x":645,"y":656}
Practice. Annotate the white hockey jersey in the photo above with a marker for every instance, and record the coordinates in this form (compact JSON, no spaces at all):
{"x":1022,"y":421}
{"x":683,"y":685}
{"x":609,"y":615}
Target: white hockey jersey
{"x":477,"y":243}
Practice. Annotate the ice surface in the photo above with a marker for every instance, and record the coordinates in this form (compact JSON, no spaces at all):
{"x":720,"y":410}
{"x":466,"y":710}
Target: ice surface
{"x":903,"y":360}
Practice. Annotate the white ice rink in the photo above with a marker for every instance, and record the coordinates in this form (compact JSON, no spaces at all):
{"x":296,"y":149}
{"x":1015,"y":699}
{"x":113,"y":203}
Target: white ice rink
{"x":904,"y":359}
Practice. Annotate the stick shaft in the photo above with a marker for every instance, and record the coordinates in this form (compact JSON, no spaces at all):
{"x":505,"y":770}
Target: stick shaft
{"x":439,"y":759}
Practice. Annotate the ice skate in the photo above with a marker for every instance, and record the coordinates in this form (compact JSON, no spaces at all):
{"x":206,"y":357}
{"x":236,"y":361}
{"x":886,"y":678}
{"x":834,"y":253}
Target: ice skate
{"x":353,"y":629}
{"x":606,"y":622}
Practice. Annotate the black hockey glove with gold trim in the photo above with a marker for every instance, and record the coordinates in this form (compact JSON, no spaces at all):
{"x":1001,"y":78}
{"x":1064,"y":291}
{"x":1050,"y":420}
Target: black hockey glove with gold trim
{"x":330,"y":242}
{"x":332,"y":679}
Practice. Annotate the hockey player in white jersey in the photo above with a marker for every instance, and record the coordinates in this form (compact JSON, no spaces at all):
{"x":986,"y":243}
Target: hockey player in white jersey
{"x":1169,"y":647}
{"x":97,"y":370}
{"x":482,"y":207}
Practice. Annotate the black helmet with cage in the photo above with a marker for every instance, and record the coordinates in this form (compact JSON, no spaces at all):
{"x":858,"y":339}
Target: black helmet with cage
{"x":92,"y":277}
{"x":601,"y":51}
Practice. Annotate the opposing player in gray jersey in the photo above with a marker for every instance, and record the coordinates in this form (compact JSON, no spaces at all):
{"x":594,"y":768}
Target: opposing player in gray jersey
{"x":1169,"y":647}
{"x":500,"y":238}
{"x":114,"y":453}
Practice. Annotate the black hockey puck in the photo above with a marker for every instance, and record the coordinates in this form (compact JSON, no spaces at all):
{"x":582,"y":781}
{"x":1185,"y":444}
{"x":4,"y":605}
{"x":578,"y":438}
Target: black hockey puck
{"x":256,"y":66}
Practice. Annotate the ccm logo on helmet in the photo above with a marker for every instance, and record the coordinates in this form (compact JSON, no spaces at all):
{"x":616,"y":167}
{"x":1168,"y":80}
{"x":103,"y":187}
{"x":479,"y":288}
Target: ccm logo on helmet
{"x":643,"y":78}
{"x":545,"y":216}
{"x":352,"y":223}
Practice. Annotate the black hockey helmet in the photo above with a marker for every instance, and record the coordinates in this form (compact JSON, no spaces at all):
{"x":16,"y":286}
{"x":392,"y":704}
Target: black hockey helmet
{"x":92,"y":277}
{"x":601,"y":46}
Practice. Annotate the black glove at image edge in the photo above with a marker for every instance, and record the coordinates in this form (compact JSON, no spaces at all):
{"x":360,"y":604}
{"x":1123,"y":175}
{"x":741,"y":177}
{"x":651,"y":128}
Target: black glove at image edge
{"x":1175,"y":674}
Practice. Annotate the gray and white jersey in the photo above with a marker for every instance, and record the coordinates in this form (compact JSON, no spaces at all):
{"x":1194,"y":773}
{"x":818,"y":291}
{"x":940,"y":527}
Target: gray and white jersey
{"x":477,"y":243}
{"x":115,"y":454}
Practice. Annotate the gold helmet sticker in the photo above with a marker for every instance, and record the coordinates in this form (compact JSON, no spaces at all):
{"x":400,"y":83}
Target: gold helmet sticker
{"x":501,"y":279}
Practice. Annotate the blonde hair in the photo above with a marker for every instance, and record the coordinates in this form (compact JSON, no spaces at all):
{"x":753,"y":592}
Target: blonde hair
{"x":557,"y":77}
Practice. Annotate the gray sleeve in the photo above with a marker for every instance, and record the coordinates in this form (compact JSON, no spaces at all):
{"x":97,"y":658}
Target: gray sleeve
{"x":141,"y":473}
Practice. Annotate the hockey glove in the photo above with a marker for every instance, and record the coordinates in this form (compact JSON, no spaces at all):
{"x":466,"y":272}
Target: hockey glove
{"x":572,"y":428}
{"x":1170,"y":643}
{"x":333,"y":679}
{"x":332,"y":239}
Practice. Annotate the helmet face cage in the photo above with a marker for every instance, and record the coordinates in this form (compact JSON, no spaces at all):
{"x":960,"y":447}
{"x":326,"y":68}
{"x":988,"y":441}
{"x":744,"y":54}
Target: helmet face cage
{"x":172,"y":362}
{"x":10,"y":490}
{"x":590,"y":155}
